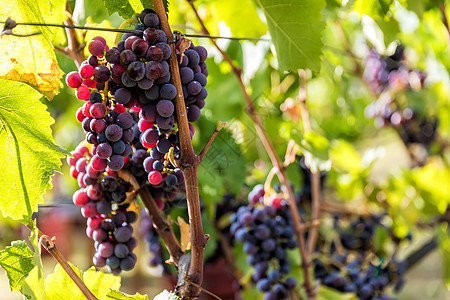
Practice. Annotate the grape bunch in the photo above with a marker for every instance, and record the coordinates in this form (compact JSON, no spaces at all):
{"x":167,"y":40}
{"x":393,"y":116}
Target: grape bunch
{"x":154,"y":244}
{"x":265,"y":229}
{"x":101,"y":197}
{"x":354,"y":274}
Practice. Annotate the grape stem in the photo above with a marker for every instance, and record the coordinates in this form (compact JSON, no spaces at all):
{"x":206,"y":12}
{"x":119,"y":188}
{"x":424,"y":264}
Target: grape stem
{"x":189,"y":164}
{"x":50,"y":246}
{"x":276,"y":162}
{"x":74,"y":48}
{"x":315,"y":176}
{"x":219,"y":127}
{"x":164,"y":230}
{"x":442,"y":8}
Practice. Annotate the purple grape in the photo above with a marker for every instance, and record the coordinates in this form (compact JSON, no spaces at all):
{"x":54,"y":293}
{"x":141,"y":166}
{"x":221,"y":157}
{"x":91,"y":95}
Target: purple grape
{"x":127,"y":263}
{"x":113,"y":132}
{"x":165,"y":123}
{"x":194,"y":87}
{"x":167,"y":51}
{"x":122,"y":234}
{"x":186,"y":74}
{"x":115,"y":162}
{"x":122,"y":95}
{"x":163,"y":146}
{"x":139,"y":47}
{"x":148,"y":112}
{"x":127,"y":57}
{"x":145,"y":83}
{"x":151,"y":20}
{"x":165,"y":68}
{"x":203,"y":54}
{"x":127,"y":81}
{"x":101,"y":73}
{"x":104,"y":150}
{"x":154,"y":53}
{"x":194,"y":58}
{"x":152,"y":93}
{"x":153,"y":70}
{"x":161,"y":36}
{"x":193,"y":113}
{"x":125,"y":120}
{"x":136,"y":71}
{"x":200,"y":78}
{"x":150,"y":136}
{"x":165,"y":108}
{"x":121,"y":250}
{"x":150,"y":35}
{"x":112,"y":55}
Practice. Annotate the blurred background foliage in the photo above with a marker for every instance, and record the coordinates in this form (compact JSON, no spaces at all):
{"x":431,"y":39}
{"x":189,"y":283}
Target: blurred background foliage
{"x":371,"y":167}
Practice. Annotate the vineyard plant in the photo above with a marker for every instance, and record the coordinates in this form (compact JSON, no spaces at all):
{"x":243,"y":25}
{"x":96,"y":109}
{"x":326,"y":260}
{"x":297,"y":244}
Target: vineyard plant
{"x":225,"y":149}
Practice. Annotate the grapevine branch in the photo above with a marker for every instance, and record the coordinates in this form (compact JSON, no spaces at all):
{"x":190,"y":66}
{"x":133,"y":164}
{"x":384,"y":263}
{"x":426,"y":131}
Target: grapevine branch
{"x":445,"y":22}
{"x":50,"y":246}
{"x":189,"y":164}
{"x":219,"y":127}
{"x":164,"y":230}
{"x":276,"y":162}
{"x":315,"y":176}
{"x":74,"y":48}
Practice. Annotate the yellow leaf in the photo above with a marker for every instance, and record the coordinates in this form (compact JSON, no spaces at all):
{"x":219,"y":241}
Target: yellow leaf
{"x":32,"y":59}
{"x":185,"y":239}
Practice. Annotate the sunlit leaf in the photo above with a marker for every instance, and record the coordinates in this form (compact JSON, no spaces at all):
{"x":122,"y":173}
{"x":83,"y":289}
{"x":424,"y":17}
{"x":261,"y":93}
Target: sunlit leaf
{"x":118,"y":295}
{"x":128,"y":8}
{"x":17,"y":261}
{"x":28,"y":151}
{"x":315,"y":148}
{"x":29,"y":59}
{"x":296,"y":30}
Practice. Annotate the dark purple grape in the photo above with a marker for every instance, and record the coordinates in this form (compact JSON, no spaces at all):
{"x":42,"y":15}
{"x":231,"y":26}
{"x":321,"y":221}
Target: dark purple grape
{"x":203,"y":54}
{"x":92,"y":60}
{"x":144,"y":13}
{"x":118,"y":147}
{"x":167,"y":51}
{"x":103,"y":207}
{"x":186,"y":74}
{"x":163,"y":79}
{"x":200,"y":78}
{"x":171,"y":180}
{"x":165,"y":108}
{"x":112,"y":262}
{"x":112,"y":55}
{"x":108,"y":183}
{"x":115,"y":162}
{"x":122,"y":234}
{"x":145,"y":83}
{"x":127,"y":81}
{"x":125,"y":120}
{"x":163,"y":146}
{"x":154,"y":53}
{"x":153,"y":92}
{"x":193,"y":113}
{"x":136,"y":71}
{"x":150,"y":136}
{"x":153,"y":70}
{"x":97,"y":125}
{"x":203,"y":94}
{"x":121,"y":250}
{"x":165,"y":68}
{"x":151,"y":20}
{"x":95,"y":97}
{"x":168,"y":91}
{"x":121,"y":46}
{"x":194,"y":87}
{"x":155,"y":154}
{"x":127,"y":57}
{"x":148,"y":112}
{"x":113,"y":132}
{"x":194,"y":58}
{"x":139,"y":47}
{"x":104,"y":150}
{"x":150,"y":35}
{"x":157,"y":165}
{"x":184,"y":61}
{"x":127,"y":263}
{"x":161,"y":36}
{"x":101,"y":74}
{"x":164,"y":123}
{"x":122,"y":96}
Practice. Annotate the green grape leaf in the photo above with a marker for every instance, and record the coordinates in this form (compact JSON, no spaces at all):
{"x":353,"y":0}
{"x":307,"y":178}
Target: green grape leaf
{"x":59,"y":286}
{"x":29,"y":59}
{"x":372,"y":8}
{"x":29,"y":154}
{"x":315,"y":148}
{"x":444,"y":246}
{"x":235,"y":17}
{"x":296,"y":29}
{"x":17,"y":260}
{"x":34,"y":287}
{"x":126,"y":9}
{"x":118,"y":295}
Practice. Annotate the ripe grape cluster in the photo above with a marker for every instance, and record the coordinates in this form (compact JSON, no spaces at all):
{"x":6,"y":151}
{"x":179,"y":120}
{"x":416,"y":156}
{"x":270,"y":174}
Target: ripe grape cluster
{"x":101,"y":197}
{"x":386,"y":76}
{"x":130,"y":121}
{"x":154,"y":244}
{"x":265,"y":229}
{"x":350,"y":266}
{"x":354,"y":274}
